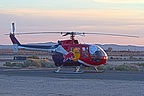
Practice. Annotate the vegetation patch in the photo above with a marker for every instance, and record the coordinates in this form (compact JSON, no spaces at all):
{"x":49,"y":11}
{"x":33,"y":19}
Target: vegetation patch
{"x":38,"y":63}
{"x":124,"y":67}
{"x":128,"y":67}
{"x":140,"y":64}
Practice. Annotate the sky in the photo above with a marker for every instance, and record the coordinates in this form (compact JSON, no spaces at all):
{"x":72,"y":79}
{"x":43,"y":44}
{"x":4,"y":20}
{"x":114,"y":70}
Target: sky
{"x":105,"y":16}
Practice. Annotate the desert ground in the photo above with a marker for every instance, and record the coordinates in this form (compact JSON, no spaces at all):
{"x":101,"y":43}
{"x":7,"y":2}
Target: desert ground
{"x":44,"y":82}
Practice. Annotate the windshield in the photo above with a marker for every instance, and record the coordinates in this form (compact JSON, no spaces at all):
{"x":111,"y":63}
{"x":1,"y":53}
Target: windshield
{"x":97,"y":51}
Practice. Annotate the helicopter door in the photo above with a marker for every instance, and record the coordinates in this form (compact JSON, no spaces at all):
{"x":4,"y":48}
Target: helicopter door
{"x":84,"y":52}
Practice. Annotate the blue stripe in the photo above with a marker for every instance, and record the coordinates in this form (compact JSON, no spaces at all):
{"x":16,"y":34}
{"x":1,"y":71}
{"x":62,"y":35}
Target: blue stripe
{"x":40,"y":46}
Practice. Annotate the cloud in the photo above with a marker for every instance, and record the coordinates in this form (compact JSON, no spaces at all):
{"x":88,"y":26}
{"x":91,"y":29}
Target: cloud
{"x":121,"y":1}
{"x":78,"y":14}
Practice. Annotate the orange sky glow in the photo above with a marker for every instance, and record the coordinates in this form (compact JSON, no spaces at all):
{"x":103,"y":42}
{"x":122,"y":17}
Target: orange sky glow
{"x":112,"y":19}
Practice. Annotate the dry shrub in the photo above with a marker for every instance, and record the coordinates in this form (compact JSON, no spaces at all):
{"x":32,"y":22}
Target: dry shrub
{"x":38,"y":63}
{"x":13,"y":64}
{"x":33,"y":62}
{"x":127,"y":67}
{"x":124,"y":67}
{"x":7,"y":63}
{"x":106,"y":67}
{"x":140,"y":64}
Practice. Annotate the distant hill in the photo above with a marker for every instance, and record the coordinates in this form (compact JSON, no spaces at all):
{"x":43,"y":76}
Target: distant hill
{"x":6,"y":46}
{"x":104,"y":46}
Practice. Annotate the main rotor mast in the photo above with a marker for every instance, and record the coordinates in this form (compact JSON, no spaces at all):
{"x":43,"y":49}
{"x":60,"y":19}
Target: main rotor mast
{"x":72,"y":34}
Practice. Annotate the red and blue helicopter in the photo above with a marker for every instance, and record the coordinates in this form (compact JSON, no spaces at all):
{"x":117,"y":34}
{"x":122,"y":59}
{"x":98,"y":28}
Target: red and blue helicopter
{"x":69,"y":52}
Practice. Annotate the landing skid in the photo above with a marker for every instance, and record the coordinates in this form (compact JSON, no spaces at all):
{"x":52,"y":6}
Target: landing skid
{"x":93,"y":71}
{"x":77,"y":71}
{"x":69,"y":72}
{"x":80,"y":72}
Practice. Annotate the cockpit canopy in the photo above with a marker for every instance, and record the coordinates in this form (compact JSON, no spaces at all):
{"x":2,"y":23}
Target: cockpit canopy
{"x":97,"y":51}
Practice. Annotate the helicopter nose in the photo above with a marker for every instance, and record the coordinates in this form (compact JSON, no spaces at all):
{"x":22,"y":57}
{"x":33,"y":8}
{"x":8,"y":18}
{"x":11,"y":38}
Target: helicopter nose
{"x":100,"y":59}
{"x":105,"y":58}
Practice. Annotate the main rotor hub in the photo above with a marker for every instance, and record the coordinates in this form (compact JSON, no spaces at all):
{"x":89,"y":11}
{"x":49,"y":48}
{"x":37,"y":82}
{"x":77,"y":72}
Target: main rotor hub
{"x":72,"y":34}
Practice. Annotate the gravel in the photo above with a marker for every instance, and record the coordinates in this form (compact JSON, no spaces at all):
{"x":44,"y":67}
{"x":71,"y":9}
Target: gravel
{"x":46,"y":86}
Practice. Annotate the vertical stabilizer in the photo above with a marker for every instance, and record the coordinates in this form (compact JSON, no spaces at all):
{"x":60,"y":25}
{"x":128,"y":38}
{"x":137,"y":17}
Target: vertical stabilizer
{"x":12,"y":36}
{"x":14,"y":40}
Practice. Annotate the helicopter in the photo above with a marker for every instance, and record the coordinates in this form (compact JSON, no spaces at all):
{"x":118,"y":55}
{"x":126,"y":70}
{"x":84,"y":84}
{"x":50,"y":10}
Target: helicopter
{"x":69,"y":52}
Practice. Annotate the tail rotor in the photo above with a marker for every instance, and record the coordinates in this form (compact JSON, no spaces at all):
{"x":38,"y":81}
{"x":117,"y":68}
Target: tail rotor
{"x":13,"y":28}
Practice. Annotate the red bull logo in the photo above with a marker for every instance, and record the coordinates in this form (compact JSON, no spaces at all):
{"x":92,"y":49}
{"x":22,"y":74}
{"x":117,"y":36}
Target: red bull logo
{"x":69,"y":56}
{"x":72,"y":55}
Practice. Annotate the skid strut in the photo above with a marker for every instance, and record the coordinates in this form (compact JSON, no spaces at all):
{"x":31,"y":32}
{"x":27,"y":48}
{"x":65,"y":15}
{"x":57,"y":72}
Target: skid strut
{"x":96,"y":69}
{"x":77,"y":69}
{"x":58,"y":69}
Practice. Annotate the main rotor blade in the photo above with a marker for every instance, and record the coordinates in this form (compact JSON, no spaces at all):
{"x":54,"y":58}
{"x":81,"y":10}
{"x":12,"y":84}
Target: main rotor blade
{"x":25,"y":33}
{"x":65,"y":33}
{"x":111,"y":34}
{"x":38,"y":32}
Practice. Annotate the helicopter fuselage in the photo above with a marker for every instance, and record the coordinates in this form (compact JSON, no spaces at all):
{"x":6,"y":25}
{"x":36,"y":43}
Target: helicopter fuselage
{"x":71,"y":53}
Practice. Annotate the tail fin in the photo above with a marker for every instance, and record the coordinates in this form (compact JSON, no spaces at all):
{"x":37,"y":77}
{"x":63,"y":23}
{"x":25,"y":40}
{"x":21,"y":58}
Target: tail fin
{"x":12,"y":36}
{"x":14,"y":40}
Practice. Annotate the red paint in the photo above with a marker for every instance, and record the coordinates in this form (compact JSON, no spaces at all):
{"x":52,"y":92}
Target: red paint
{"x":69,"y":56}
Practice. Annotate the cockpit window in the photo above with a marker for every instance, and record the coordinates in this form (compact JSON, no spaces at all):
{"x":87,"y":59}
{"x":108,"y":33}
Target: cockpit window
{"x":96,"y":51}
{"x":93,"y":49}
{"x":84,"y":52}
